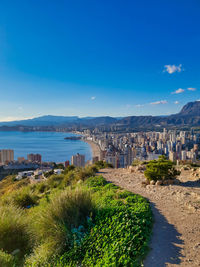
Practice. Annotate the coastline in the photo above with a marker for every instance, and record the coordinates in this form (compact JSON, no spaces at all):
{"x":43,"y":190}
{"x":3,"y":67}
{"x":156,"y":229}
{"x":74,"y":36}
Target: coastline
{"x":96,"y":151}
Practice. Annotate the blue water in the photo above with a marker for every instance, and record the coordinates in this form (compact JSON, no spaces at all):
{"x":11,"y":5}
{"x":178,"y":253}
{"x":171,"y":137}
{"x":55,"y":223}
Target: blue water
{"x":51,"y":145}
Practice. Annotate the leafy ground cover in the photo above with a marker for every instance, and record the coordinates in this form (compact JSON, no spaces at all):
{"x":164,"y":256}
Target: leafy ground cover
{"x":73,"y":219}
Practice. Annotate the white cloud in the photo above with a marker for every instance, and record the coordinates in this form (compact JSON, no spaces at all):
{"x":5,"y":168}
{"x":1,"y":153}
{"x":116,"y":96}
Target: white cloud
{"x":159,"y":102}
{"x":178,"y":91}
{"x":173,"y":68}
{"x":192,"y":89}
{"x":176,"y":102}
{"x":93,"y":97}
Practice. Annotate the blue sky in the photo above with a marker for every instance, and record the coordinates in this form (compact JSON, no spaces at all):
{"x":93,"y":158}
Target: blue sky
{"x":115,"y":58}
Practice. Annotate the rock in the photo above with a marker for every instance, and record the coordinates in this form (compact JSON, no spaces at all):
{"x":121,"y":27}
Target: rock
{"x":131,"y":169}
{"x":143,"y":184}
{"x":147,"y":181}
{"x":152,"y":182}
{"x":159,"y":182}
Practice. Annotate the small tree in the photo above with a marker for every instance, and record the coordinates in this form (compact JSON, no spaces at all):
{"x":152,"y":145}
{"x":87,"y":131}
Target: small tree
{"x":161,"y":169}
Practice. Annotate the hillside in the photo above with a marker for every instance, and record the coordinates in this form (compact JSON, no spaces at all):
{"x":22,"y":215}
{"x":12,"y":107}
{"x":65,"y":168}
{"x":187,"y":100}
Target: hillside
{"x":72,"y":219}
{"x":191,"y":109}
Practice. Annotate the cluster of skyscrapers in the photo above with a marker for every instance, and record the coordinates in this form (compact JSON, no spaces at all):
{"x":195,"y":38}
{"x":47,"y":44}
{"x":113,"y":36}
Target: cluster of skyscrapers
{"x":121,"y":149}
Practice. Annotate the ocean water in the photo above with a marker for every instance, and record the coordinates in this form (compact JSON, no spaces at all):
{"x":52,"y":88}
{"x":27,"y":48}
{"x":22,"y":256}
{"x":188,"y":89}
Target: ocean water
{"x":51,"y":145}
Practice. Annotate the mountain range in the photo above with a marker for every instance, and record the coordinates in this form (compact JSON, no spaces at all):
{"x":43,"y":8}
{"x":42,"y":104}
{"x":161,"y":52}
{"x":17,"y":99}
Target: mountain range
{"x":188,"y":116}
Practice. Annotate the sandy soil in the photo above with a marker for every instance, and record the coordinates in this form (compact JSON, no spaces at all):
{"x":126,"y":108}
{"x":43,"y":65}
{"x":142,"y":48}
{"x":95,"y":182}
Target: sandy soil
{"x":176,"y":208}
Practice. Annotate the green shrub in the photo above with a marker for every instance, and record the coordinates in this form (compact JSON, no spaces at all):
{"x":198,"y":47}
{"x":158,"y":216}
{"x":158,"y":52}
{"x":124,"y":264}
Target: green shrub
{"x":69,"y":178}
{"x":53,"y":225}
{"x":136,"y":162}
{"x":43,"y":255}
{"x":23,"y":198}
{"x":119,"y":235}
{"x":124,"y":194}
{"x":160,"y":169}
{"x":96,"y":181}
{"x":84,"y":173}
{"x":110,"y":186}
{"x":14,"y":232}
{"x":55,"y":180}
{"x":42,"y":187}
{"x":7,"y":260}
{"x":103,"y":164}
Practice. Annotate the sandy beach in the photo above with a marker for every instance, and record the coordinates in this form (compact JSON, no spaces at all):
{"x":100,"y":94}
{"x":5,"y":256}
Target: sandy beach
{"x":96,"y":151}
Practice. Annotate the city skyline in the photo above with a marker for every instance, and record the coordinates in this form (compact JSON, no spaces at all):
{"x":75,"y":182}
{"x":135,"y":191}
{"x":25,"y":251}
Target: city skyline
{"x":97,"y":59}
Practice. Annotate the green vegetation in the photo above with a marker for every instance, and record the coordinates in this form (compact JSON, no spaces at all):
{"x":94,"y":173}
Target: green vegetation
{"x":161,"y":169}
{"x":103,"y":164}
{"x":73,"y":219}
{"x":15,"y":235}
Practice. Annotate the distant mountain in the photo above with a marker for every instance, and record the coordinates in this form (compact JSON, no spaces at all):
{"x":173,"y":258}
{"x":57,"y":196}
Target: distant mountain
{"x":191,"y":108}
{"x":50,"y":120}
{"x":47,"y":120}
{"x":188,"y":116}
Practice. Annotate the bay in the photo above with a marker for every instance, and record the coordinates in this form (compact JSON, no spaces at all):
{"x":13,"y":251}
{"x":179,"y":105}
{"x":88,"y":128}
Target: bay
{"x":51,"y":145}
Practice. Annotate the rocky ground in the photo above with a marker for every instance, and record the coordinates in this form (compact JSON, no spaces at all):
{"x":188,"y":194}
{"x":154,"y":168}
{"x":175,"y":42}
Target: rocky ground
{"x":176,"y":233}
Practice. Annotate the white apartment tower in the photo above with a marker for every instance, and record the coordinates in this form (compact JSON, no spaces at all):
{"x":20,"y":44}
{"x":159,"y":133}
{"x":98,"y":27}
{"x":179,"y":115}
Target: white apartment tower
{"x":78,"y":160}
{"x":6,"y":155}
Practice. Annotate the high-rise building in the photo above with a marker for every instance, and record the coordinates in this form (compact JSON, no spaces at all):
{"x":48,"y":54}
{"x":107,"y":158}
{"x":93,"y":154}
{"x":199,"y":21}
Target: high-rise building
{"x":183,"y":155}
{"x":78,"y":160}
{"x":172,"y":156}
{"x":7,"y":155}
{"x":34,"y":158}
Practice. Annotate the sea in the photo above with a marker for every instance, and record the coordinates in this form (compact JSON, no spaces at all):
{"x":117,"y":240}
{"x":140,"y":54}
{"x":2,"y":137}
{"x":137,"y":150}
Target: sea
{"x":51,"y":145}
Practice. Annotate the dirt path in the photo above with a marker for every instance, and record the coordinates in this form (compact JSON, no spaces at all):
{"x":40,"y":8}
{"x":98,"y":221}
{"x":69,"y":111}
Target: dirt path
{"x":176,"y":208}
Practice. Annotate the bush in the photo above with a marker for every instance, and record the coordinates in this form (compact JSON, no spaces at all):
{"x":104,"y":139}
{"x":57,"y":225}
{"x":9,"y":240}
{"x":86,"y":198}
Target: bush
{"x":161,"y":169}
{"x":6,"y":259}
{"x":96,"y":181}
{"x":42,"y":187}
{"x":69,"y":168}
{"x":54,"y":223}
{"x":136,"y":162}
{"x":43,"y":256}
{"x":84,"y":173}
{"x":23,"y":198}
{"x":119,"y":234}
{"x":103,"y":164}
{"x":55,"y":180}
{"x":13,"y":232}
